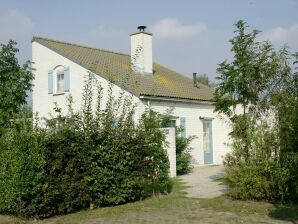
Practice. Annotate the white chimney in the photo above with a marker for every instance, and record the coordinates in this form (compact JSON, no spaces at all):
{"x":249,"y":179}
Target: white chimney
{"x":141,"y":51}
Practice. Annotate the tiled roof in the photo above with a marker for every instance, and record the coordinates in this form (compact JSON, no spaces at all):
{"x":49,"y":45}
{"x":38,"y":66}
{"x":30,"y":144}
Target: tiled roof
{"x":116,"y":67}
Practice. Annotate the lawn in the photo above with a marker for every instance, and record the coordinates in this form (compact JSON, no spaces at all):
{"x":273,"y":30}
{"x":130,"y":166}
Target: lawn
{"x":176,"y":208}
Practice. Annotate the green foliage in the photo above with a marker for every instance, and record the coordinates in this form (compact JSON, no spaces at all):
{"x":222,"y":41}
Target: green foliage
{"x":258,"y":93}
{"x":15,"y":81}
{"x":21,"y":165}
{"x":183,"y":156}
{"x":83,"y":158}
{"x":289,"y":160}
{"x":259,"y":175}
{"x":255,"y":74}
{"x":204,"y":79}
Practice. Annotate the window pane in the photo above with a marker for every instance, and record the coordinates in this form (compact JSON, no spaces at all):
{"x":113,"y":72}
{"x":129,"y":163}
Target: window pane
{"x":60,"y":82}
{"x":171,"y":123}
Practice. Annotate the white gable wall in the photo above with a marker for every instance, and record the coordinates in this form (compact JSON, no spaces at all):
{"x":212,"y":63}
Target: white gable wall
{"x":44,"y":60}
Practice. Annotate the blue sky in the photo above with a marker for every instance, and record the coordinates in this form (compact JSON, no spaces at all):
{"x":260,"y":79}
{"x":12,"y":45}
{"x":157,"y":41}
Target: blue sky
{"x":188,"y":36}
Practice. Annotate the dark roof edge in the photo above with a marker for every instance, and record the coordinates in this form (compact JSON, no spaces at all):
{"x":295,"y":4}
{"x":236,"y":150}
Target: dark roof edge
{"x":78,"y":45}
{"x":173,"y":99}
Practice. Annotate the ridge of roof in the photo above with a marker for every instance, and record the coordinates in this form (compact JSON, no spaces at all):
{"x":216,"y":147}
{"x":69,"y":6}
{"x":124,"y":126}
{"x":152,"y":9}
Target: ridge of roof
{"x":77,"y":45}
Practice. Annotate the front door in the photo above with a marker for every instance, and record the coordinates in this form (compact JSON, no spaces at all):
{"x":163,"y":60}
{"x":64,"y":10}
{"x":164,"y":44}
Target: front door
{"x":207,"y":142}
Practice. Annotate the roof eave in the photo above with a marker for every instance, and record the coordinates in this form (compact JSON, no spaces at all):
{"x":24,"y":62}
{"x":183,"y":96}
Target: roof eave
{"x":172,"y":99}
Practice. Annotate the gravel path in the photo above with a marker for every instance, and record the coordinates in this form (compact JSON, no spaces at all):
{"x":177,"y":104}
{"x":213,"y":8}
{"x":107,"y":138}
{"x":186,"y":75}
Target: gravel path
{"x":203,"y":182}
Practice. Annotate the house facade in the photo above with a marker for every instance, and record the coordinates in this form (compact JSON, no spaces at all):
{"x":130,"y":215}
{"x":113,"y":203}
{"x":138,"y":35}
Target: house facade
{"x":61,"y":68}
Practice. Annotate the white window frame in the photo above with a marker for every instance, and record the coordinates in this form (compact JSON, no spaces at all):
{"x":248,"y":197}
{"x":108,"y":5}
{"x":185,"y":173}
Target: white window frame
{"x":59,"y":70}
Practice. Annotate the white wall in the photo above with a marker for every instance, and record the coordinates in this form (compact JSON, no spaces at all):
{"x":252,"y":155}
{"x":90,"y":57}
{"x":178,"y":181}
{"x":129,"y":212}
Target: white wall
{"x":44,"y":60}
{"x":171,"y":149}
{"x":194,"y":126}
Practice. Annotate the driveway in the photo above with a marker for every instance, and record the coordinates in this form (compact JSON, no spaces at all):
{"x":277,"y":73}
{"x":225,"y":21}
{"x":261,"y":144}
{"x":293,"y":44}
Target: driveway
{"x":203,"y":182}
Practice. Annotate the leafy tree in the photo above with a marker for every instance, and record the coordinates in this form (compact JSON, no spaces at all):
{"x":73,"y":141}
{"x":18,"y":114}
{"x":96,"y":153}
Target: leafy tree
{"x":255,"y":75}
{"x":15,"y":81}
{"x":258,"y":94}
{"x":204,"y":79}
{"x":245,"y":80}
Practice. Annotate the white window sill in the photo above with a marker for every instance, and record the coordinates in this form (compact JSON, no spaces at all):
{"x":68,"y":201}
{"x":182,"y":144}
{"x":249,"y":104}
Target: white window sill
{"x":58,"y":94}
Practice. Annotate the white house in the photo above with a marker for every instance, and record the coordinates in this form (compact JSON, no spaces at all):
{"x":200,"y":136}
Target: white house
{"x":60,"y":70}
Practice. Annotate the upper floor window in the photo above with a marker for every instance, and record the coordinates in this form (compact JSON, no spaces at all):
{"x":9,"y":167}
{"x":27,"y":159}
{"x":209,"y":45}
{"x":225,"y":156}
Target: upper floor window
{"x":58,"y":80}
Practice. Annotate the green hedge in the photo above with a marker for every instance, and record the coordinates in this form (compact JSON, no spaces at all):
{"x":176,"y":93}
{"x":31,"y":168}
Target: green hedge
{"x":82,"y":159}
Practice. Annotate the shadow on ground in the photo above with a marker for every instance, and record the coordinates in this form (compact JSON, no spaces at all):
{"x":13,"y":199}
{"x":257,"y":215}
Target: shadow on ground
{"x":217,"y":177}
{"x":287,"y":212}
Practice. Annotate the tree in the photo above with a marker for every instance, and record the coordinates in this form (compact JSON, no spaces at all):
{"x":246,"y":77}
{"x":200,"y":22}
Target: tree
{"x":15,"y":81}
{"x":204,"y":79}
{"x":258,"y":94}
{"x":244,"y":80}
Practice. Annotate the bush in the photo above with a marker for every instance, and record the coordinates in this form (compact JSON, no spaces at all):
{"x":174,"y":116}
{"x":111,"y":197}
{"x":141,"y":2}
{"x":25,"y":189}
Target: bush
{"x":183,"y":156}
{"x":266,"y":180}
{"x":260,"y":172}
{"x":83,"y":159}
{"x":289,"y":160}
{"x":21,"y":165}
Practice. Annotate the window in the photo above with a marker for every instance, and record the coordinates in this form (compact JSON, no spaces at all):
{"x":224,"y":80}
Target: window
{"x":58,"y":80}
{"x":172,"y":123}
{"x":183,"y":127}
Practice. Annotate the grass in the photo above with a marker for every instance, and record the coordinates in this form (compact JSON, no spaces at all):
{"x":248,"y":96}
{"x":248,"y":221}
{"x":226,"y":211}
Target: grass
{"x":176,"y":208}
{"x":287,"y":212}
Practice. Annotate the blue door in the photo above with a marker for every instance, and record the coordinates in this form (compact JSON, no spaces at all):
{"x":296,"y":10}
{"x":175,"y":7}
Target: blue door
{"x":207,"y":142}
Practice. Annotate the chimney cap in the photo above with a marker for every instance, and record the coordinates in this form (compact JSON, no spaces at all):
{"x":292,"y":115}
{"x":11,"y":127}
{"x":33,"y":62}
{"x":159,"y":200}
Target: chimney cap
{"x":142,"y":28}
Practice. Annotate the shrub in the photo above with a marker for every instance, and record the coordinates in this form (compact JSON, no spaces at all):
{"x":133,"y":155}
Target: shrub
{"x":83,"y":159}
{"x":21,"y":165}
{"x":266,"y":180}
{"x":183,"y":156}
{"x":260,"y":172}
{"x":289,"y":160}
